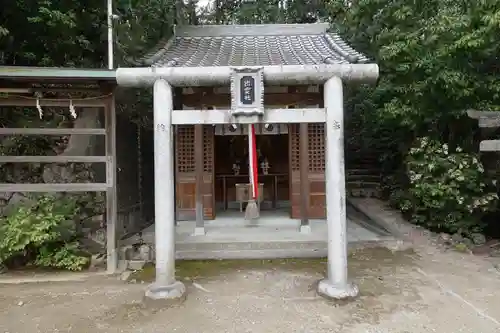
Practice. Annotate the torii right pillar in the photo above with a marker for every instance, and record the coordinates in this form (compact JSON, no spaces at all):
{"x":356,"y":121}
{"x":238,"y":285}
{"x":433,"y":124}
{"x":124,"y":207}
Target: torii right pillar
{"x":336,"y":284}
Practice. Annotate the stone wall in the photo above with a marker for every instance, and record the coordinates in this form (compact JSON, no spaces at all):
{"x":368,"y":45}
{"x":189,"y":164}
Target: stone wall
{"x":93,"y":204}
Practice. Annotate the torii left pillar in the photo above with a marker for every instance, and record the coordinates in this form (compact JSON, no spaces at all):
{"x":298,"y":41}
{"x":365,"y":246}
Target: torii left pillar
{"x":165,"y":287}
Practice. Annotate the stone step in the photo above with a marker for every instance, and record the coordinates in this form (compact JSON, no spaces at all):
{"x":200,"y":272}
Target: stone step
{"x":246,"y":250}
{"x":363,"y":171}
{"x":231,"y":250}
{"x":364,"y":192}
{"x":367,"y":165}
{"x":362,"y":184}
{"x":363,"y":178}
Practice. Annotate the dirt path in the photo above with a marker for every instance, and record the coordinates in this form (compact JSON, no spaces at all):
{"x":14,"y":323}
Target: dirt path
{"x":430,"y":291}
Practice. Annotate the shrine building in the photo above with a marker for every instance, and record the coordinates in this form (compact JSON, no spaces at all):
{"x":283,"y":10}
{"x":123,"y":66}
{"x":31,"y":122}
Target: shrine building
{"x":249,"y":123}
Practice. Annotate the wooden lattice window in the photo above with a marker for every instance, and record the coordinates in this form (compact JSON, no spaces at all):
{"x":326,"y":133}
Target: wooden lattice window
{"x":293,"y":132}
{"x":185,"y":148}
{"x":316,"y":147}
{"x":208,"y":148}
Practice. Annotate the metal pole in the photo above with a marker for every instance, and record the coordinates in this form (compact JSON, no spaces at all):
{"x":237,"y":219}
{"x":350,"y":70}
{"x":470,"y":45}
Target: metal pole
{"x":110,"y":34}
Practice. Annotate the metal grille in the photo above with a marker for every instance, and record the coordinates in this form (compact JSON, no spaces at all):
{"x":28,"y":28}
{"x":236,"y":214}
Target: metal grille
{"x":185,"y":148}
{"x":294,"y":147}
{"x":208,"y":148}
{"x":316,"y":147}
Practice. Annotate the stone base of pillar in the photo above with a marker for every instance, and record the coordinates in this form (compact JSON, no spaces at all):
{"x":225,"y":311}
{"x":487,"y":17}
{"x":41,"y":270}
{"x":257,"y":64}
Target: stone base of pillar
{"x":305,"y":229}
{"x":337,"y":292}
{"x":199,"y":231}
{"x":174,"y":292}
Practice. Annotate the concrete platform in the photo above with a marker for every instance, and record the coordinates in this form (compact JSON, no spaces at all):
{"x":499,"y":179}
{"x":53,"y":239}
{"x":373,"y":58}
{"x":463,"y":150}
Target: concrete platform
{"x":275,"y":235}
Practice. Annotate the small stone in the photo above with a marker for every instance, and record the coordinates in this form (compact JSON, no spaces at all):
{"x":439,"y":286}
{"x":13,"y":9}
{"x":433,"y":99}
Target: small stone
{"x":478,"y":239}
{"x":21,"y":303}
{"x":144,"y":252}
{"x":98,"y":261}
{"x":495,"y":253}
{"x":445,"y":238}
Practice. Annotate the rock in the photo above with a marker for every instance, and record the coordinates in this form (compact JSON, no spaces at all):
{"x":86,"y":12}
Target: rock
{"x":10,"y":201}
{"x":55,"y":173}
{"x":445,"y":238}
{"x":495,"y":252}
{"x":457,"y":238}
{"x":96,"y":236}
{"x":478,"y":239}
{"x":136,"y":265}
{"x":127,"y":252}
{"x":98,"y":261}
{"x":468,"y":243}
{"x":145,"y":253}
{"x":461,"y":247}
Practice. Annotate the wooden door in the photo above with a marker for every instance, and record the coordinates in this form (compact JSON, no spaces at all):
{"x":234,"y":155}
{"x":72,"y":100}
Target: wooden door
{"x":316,"y":174}
{"x":186,"y":174}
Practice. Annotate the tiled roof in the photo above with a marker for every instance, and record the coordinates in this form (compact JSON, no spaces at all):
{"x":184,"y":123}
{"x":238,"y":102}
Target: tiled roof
{"x":253,"y":45}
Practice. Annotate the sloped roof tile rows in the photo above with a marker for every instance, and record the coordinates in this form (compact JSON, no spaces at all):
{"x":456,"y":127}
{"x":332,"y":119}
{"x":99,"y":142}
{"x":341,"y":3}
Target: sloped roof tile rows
{"x":253,"y":45}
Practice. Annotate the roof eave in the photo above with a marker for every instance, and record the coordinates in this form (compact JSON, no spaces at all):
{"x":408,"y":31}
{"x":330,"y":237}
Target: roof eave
{"x":56,"y":73}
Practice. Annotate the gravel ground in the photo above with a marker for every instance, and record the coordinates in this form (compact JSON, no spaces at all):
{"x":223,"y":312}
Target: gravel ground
{"x":426,"y":291}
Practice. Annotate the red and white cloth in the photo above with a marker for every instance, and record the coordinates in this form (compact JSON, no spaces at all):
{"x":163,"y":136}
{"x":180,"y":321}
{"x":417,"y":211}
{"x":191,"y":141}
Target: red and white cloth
{"x":253,"y":162}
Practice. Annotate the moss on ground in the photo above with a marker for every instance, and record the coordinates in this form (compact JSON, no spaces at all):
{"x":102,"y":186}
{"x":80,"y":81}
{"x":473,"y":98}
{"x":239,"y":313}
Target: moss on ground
{"x":207,"y":269}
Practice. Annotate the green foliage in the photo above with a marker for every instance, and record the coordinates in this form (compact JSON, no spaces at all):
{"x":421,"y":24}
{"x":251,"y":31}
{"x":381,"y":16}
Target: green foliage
{"x":437,"y":59}
{"x":44,"y":232}
{"x":63,"y":256}
{"x":447,"y":189}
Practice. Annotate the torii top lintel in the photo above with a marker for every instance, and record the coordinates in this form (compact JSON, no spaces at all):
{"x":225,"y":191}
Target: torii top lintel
{"x":288,"y":53}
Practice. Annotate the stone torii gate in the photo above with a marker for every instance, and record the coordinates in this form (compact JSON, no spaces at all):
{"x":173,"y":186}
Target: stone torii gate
{"x":214,"y":56}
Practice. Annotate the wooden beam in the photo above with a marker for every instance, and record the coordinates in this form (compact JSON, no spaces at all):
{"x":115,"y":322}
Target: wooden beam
{"x":61,"y":87}
{"x":489,"y":145}
{"x":16,"y":101}
{"x":52,"y":131}
{"x":53,"y":159}
{"x":72,"y":187}
{"x":272,"y":116}
{"x":198,"y":159}
{"x":112,"y":227}
{"x":224,"y":100}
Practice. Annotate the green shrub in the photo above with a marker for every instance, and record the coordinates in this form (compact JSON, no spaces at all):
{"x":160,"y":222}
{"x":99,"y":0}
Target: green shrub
{"x":44,"y":234}
{"x":448,"y":190}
